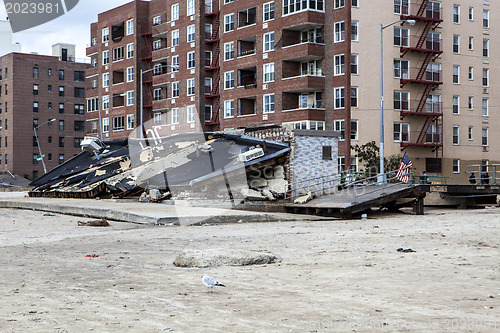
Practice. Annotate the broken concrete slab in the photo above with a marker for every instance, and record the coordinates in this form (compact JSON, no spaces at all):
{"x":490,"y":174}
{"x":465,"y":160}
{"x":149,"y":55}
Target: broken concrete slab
{"x":222,"y":257}
{"x":305,"y":198}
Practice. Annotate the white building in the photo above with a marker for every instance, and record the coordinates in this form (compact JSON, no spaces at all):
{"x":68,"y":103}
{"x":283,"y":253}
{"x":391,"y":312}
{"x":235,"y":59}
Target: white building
{"x":6,"y":45}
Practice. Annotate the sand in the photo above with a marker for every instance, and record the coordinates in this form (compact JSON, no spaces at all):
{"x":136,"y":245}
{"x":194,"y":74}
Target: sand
{"x":333,"y":276}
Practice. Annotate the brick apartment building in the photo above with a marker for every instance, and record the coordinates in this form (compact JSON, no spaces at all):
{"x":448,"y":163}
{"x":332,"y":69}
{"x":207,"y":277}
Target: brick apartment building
{"x":312,"y":64}
{"x":34,"y":89}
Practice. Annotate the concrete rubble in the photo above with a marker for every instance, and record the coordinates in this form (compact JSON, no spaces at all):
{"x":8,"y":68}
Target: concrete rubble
{"x":222,"y":257}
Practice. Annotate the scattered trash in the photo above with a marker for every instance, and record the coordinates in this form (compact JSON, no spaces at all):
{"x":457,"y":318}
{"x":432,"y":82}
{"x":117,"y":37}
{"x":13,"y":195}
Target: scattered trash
{"x":92,"y":255}
{"x":48,"y":214}
{"x":376,"y":226}
{"x":94,"y":223}
{"x":405,"y":250}
{"x":364,"y":216}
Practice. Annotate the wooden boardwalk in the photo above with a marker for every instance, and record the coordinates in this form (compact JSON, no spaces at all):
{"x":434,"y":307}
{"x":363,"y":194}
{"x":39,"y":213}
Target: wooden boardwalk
{"x":349,"y":201}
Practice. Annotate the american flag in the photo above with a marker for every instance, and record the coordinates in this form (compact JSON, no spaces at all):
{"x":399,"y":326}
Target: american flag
{"x":404,"y":169}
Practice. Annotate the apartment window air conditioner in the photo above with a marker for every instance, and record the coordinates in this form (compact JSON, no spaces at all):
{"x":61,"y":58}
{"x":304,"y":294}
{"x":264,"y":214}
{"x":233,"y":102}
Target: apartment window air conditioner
{"x":485,"y":148}
{"x":251,"y":155}
{"x":485,"y":91}
{"x":264,"y":87}
{"x":265,"y":117}
{"x":264,"y":26}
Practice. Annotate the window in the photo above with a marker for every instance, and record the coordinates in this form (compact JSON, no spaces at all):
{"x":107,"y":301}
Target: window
{"x":401,"y":100}
{"x":35,"y":159}
{"x":118,"y":123}
{"x":471,"y":103}
{"x":339,"y":64}
{"x":175,"y":38}
{"x":105,"y":80}
{"x":130,"y":27}
{"x":79,"y":109}
{"x":456,"y":165}
{"x":269,"y":41}
{"x":341,"y":164}
{"x":157,"y":45}
{"x":157,"y":20}
{"x":269,"y":72}
{"x":35,"y":90}
{"x":456,"y":14}
{"x":105,"y":57}
{"x":105,"y":102}
{"x":401,"y":69}
{"x":157,"y":94}
{"x":229,"y":80}
{"x":486,"y":18}
{"x":92,"y":104}
{"x":471,"y":73}
{"x":456,"y":134}
{"x":471,"y":13}
{"x":486,"y":47}
{"x":191,"y":33}
{"x":130,"y":74}
{"x":229,"y":51}
{"x":456,"y":104}
{"x":35,"y":109}
{"x":61,"y":108}
{"x":484,"y":107}
{"x":130,"y":50}
{"x":175,"y":89}
{"x":401,"y":7}
{"x":61,"y":78}
{"x":130,"y":97}
{"x":326,"y":152}
{"x":354,"y":129}
{"x":338,"y":4}
{"x":401,"y":37}
{"x":190,"y":114}
{"x":338,"y":126}
{"x":105,"y":35}
{"x":175,"y":12}
{"x":79,"y":126}
{"x":456,"y":74}
{"x":61,"y":125}
{"x":339,"y":98}
{"x":268,"y":11}
{"x":61,"y":91}
{"x":190,"y":87}
{"x":35,"y":72}
{"x":312,"y":67}
{"x":229,"y":22}
{"x":130,"y":121}
{"x":190,"y":60}
{"x":471,"y":43}
{"x":470,"y":132}
{"x":175,"y":115}
{"x":269,"y":103}
{"x":311,"y":100}
{"x":339,"y":30}
{"x":175,"y":63}
{"x":229,"y":109}
{"x":456,"y":44}
{"x":293,"y":6}
{"x":354,"y":3}
{"x":401,"y":132}
{"x":354,"y":31}
{"x":157,"y":69}
{"x":486,"y":77}
{"x":354,"y":63}
{"x":484,"y":136}
{"x":105,"y":125}
{"x":61,"y":158}
{"x":190,"y":7}
{"x":354,"y":97}
{"x":157,"y":118}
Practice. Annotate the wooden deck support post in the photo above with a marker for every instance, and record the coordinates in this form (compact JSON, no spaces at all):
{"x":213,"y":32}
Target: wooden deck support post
{"x":419,"y":205}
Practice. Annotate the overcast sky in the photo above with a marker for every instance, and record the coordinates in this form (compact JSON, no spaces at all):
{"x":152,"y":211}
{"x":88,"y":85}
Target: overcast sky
{"x":73,"y":27}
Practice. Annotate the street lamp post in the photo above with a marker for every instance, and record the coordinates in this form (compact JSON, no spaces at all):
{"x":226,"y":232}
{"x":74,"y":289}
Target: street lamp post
{"x":38,"y":143}
{"x":142,"y":96}
{"x":382,"y":177}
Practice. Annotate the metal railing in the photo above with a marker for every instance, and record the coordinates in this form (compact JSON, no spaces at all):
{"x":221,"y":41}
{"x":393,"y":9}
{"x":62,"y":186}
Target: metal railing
{"x":483,"y":176}
{"x":355,"y":181}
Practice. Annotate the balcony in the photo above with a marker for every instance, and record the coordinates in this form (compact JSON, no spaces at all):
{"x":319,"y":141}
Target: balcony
{"x":303,"y":83}
{"x":160,"y":105}
{"x":430,"y":45}
{"x":431,"y":139}
{"x":247,"y":77}
{"x":429,"y":76}
{"x":303,"y":20}
{"x":303,"y":51}
{"x":247,"y":46}
{"x":161,"y":30}
{"x":431,"y":13}
{"x":161,"y":54}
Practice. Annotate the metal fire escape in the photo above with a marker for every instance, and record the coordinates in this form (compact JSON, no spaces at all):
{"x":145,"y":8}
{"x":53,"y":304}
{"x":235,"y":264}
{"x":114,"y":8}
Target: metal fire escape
{"x":427,"y":46}
{"x":146,"y":56}
{"x":212,"y":68}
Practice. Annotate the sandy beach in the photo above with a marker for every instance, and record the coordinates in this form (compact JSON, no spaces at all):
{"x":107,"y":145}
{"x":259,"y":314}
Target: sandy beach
{"x":332,"y":276}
